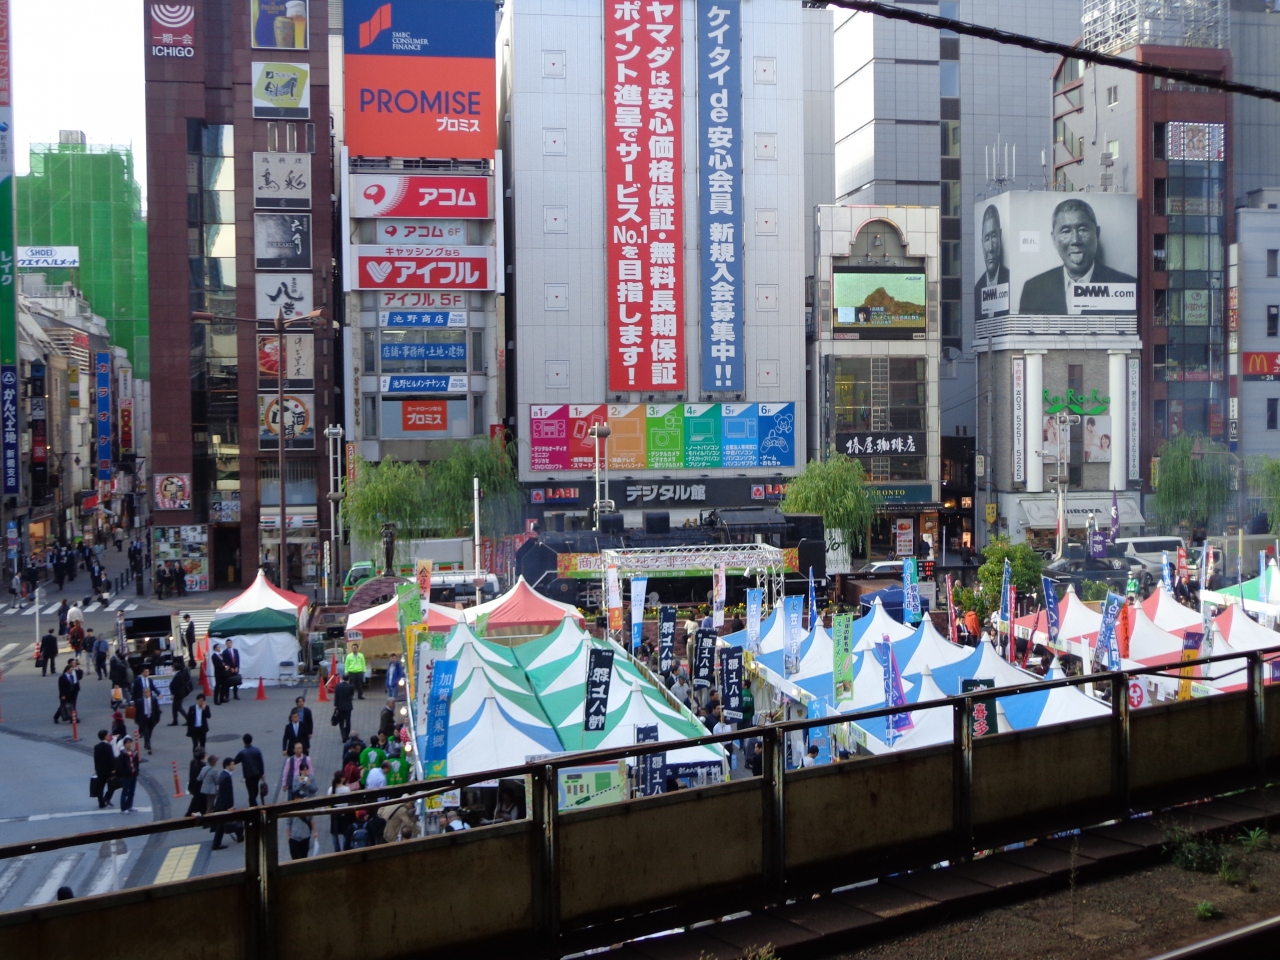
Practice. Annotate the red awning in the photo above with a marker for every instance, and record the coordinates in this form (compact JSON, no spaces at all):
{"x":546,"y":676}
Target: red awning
{"x":524,"y":606}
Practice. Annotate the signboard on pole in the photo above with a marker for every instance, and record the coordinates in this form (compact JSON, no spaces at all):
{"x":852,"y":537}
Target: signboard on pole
{"x":717,"y":611}
{"x":422,"y":574}
{"x":666,"y":637}
{"x":731,"y":684}
{"x":704,"y":657}
{"x":436,"y":753}
{"x":651,"y":764}
{"x":791,"y":610}
{"x":755,"y":607}
{"x":638,"y":587}
{"x":599,"y":674}
{"x":614,"y":588}
{"x":982,"y":719}
{"x":910,"y":591}
{"x":842,"y":642}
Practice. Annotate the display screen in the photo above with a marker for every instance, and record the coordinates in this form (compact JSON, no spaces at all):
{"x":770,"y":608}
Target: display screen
{"x":879,"y":304}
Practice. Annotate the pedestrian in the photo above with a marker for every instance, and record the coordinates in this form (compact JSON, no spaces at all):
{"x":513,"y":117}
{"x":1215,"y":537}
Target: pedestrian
{"x":225,"y":799}
{"x":339,"y":822}
{"x":180,"y":581}
{"x":810,"y":756}
{"x":971,"y":626}
{"x":104,"y":768}
{"x":294,"y":734}
{"x":219,"y":676}
{"x":63,"y":610}
{"x":118,"y":535}
{"x":59,"y":570}
{"x":118,"y":730}
{"x":161,"y":580}
{"x":387,"y":719}
{"x":354,"y":667}
{"x":231,"y":657}
{"x":1004,"y":645}
{"x":101,"y":651}
{"x":68,"y":692}
{"x":75,"y":615}
{"x":395,"y":678}
{"x":253,"y":766}
{"x":454,"y":821}
{"x":48,"y":655}
{"x":118,"y":672}
{"x":128,"y":763}
{"x":141,"y":682}
{"x":180,"y":687}
{"x":195,"y":770}
{"x":343,"y":704}
{"x":308,"y":721}
{"x":198,"y":723}
{"x":146,"y":710}
{"x":301,"y":831}
{"x":209,"y":783}
{"x":377,"y":778}
{"x":189,"y":635}
{"x":295,"y":765}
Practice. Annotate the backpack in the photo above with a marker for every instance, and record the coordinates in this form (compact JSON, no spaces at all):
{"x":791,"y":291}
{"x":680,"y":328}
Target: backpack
{"x":359,"y":837}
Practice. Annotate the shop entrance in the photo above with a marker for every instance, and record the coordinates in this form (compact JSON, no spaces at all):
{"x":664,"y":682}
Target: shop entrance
{"x":226,"y":555}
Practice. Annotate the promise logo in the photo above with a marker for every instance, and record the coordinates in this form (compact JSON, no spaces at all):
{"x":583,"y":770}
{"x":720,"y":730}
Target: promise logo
{"x":381,"y":20}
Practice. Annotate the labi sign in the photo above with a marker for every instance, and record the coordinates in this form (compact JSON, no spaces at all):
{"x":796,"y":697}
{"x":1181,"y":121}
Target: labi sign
{"x":1077,"y":403}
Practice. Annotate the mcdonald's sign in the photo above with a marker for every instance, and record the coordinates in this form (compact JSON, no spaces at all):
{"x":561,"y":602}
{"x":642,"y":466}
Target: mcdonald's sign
{"x":1262,"y":366}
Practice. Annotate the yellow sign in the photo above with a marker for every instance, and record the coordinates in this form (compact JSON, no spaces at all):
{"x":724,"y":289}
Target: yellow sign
{"x":993,"y":511}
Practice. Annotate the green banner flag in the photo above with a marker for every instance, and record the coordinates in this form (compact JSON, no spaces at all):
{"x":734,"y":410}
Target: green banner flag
{"x":842,"y":638}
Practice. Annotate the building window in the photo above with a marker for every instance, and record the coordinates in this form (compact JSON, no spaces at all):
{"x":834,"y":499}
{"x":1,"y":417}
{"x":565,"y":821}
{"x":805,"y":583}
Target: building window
{"x":950,"y":198}
{"x":1113,"y":96}
{"x":1161,"y":200}
{"x":1158,"y":141}
{"x":1273,"y":412}
{"x":949,"y":78}
{"x":881,"y":413}
{"x":950,"y":258}
{"x":1273,"y":263}
{"x":951,"y":318}
{"x":950,"y":138}
{"x":1113,"y":148}
{"x":1273,"y":320}
{"x":1161,"y":256}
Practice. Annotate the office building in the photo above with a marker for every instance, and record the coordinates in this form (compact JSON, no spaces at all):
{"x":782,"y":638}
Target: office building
{"x":1253,"y":313}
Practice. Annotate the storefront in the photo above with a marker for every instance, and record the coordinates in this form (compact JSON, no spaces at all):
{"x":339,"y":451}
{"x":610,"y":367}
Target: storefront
{"x":1034,"y":519}
{"x":683,"y":498}
{"x":303,"y":542}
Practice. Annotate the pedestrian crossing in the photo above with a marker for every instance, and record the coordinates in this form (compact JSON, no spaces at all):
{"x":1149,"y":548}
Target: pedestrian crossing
{"x":117,"y":604}
{"x":55,"y":878}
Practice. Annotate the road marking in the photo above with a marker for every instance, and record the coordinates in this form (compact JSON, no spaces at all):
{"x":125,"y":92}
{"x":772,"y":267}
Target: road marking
{"x":9,"y":876}
{"x":30,"y":610}
{"x":33,"y":818}
{"x":177,"y":864}
{"x":9,"y":611}
{"x":103,"y":879}
{"x":55,"y":878}
{"x":52,"y":609}
{"x":92,"y":607}
{"x":6,"y":648}
{"x":132,"y":606}
{"x":114,"y":605}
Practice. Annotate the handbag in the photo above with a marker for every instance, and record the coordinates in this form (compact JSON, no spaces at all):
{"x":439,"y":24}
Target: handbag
{"x":95,"y":787}
{"x":333,"y":721}
{"x":129,"y":712}
{"x":64,"y":712}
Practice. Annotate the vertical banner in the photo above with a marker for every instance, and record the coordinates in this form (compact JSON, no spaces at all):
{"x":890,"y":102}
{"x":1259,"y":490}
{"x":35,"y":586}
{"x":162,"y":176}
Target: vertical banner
{"x":895,"y":723}
{"x":982,"y":719}
{"x":1190,"y":651}
{"x":599,"y":674}
{"x":953,"y":628}
{"x":644,"y":196}
{"x":910,"y":592}
{"x":666,"y":637}
{"x":1097,"y":544}
{"x":1019,"y":420}
{"x":103,"y":367}
{"x":842,"y":645}
{"x":422,"y":575}
{"x":638,"y":587}
{"x":651,"y":764}
{"x":126,"y":425}
{"x":1166,"y":573}
{"x":1107,"y":654}
{"x":791,"y":611}
{"x":755,"y":607}
{"x":9,"y":424}
{"x":704,"y":658}
{"x":436,"y":755}
{"x":1115,"y":517}
{"x":717,"y":608}
{"x":1005,"y":612}
{"x":731,"y":684}
{"x":1134,"y":392}
{"x":614,"y":588}
{"x":1051,"y":617}
{"x":1182,"y":562}
{"x":719,"y":168}
{"x":8,"y":226}
{"x":813,"y":602}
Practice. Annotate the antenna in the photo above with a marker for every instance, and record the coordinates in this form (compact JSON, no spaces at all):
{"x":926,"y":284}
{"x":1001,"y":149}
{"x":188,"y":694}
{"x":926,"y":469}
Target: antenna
{"x":999,"y":171}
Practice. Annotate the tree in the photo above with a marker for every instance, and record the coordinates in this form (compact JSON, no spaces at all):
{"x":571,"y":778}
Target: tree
{"x":1264,"y":483}
{"x":392,"y":491}
{"x":451,"y":488}
{"x":836,"y":490}
{"x":1194,"y":483}
{"x":1027,"y":567}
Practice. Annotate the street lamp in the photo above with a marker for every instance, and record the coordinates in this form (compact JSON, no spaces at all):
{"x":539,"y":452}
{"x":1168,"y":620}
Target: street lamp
{"x":597,"y":432}
{"x":279,"y":325}
{"x":333,"y":434}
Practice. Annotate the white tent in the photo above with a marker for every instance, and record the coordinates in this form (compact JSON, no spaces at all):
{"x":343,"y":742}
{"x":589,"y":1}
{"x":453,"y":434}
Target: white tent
{"x":926,"y":649}
{"x":263,"y":595}
{"x":1168,"y":614}
{"x":984,"y":663}
{"x":1148,"y":644}
{"x":261,"y":655}
{"x":487,"y":732}
{"x":461,"y":637}
{"x":641,"y":710}
{"x":873,"y":627}
{"x":566,"y":641}
{"x":517,"y":589}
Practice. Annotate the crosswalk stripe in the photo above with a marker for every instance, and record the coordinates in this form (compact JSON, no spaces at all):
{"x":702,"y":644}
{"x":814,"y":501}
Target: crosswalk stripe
{"x":9,"y":611}
{"x":114,"y":605}
{"x":177,"y":864}
{"x":30,"y":610}
{"x":6,"y":648}
{"x":12,"y":871}
{"x":54,"y":879}
{"x":52,"y":609}
{"x":92,"y":607}
{"x":132,"y":606}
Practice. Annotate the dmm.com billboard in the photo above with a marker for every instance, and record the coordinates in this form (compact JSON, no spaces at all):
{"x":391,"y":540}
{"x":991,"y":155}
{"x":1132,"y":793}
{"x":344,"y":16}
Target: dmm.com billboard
{"x":420,"y":78}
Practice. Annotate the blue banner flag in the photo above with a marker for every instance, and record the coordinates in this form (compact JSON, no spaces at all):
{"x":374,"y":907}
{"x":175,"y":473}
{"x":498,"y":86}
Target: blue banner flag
{"x":1004,"y":592}
{"x":1166,"y":571}
{"x":595,"y":709}
{"x":910,"y":591}
{"x":731,"y":684}
{"x":436,"y":755}
{"x":639,"y":585}
{"x":755,"y":607}
{"x":813,"y":602}
{"x":791,"y":610}
{"x":1107,"y":654}
{"x":895,"y":723}
{"x":1050,"y":609}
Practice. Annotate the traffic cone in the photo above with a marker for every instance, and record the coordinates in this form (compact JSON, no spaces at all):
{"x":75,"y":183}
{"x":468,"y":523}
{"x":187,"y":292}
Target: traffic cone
{"x":204,"y":678}
{"x":177,"y":784}
{"x":262,"y":690}
{"x":333,"y":666}
{"x":324,"y":693}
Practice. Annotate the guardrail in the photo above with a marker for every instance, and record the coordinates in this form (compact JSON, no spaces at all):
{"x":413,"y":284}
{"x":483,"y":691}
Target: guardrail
{"x":568,"y":880}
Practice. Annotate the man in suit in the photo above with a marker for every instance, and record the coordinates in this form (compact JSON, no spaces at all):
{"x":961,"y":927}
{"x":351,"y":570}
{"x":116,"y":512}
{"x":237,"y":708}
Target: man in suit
{"x":146,"y":713}
{"x":189,"y":635}
{"x":139,"y":682}
{"x":225,"y":799}
{"x":231,"y":657}
{"x":307,"y":719}
{"x":253,"y":765}
{"x":68,"y":689}
{"x":995,"y":274}
{"x":198,"y":723}
{"x":219,"y":675}
{"x":104,"y":767}
{"x":343,"y":703}
{"x":1075,"y":236}
{"x":294,"y":732}
{"x":180,"y":688}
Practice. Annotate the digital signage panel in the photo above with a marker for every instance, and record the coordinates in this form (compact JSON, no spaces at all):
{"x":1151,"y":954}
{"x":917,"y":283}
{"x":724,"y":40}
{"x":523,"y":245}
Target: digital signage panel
{"x":881,"y":303}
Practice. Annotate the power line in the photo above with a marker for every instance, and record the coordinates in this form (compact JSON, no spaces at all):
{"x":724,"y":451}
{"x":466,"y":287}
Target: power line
{"x":892,"y":12}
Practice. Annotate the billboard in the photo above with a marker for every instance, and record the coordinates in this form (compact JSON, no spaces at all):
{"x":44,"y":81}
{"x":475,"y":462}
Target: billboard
{"x":278,"y":24}
{"x":434,"y":266}
{"x":282,"y":181}
{"x":281,"y":91}
{"x":644,"y":212}
{"x":297,"y":420}
{"x":420,"y":78}
{"x":290,"y":293}
{"x":880,"y":303}
{"x":1040,"y":254}
{"x":173,"y":30}
{"x":387,"y":195}
{"x":282,"y":241}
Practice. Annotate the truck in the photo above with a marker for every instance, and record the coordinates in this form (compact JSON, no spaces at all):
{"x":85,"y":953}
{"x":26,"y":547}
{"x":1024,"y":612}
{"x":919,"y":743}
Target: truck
{"x":447,"y":554}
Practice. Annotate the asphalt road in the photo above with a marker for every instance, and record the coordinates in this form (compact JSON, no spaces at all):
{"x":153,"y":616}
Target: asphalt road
{"x":44,"y":791}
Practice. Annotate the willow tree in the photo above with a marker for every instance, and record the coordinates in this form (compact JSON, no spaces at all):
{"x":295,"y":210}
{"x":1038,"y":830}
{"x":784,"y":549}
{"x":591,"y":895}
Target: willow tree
{"x":1264,"y":483}
{"x":1194,"y":483}
{"x":451,"y":482}
{"x":393,"y":491}
{"x":836,"y":490}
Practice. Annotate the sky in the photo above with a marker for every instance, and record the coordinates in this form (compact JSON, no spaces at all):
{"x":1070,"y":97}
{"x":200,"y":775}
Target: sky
{"x":78,"y":65}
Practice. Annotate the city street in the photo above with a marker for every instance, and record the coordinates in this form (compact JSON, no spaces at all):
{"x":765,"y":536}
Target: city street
{"x":45,"y":792}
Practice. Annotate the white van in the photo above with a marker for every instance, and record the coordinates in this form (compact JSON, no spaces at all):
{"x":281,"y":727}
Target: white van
{"x":1149,"y":551}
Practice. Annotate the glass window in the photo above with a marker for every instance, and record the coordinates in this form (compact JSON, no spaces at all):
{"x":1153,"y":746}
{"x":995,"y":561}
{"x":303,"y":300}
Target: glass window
{"x":949,"y":78}
{"x":949,"y":10}
{"x":423,"y":351}
{"x":1273,"y":320}
{"x":1273,"y":412}
{"x":950,"y":198}
{"x":950,"y":138}
{"x":950,"y":258}
{"x":1273,"y":263}
{"x":369,"y":347}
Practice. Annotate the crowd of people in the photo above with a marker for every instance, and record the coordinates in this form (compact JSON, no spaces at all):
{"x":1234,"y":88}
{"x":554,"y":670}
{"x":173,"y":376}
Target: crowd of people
{"x":60,"y":564}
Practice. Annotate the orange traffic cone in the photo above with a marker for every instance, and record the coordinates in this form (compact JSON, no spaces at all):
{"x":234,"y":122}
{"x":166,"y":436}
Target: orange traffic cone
{"x":262,"y":690}
{"x":324,"y":692}
{"x":177,"y":784}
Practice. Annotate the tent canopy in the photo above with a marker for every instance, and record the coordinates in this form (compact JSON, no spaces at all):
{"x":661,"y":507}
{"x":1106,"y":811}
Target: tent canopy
{"x":521,"y":612}
{"x":263,"y":595}
{"x":875,"y":624}
{"x":253,"y":621}
{"x":376,"y":621}
{"x":893,"y":598}
{"x":1167,"y":613}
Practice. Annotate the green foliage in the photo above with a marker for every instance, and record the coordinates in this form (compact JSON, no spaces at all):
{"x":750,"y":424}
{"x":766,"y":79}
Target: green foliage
{"x":1026,"y":564}
{"x":1264,"y":483}
{"x":1207,"y":911}
{"x":836,"y":490}
{"x":1254,"y":840}
{"x":1194,"y":485}
{"x":392,"y":491}
{"x":1192,"y":852}
{"x":1093,"y":590}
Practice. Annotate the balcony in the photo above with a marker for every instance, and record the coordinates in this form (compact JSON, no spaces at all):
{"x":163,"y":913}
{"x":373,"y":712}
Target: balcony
{"x":1020,"y":326}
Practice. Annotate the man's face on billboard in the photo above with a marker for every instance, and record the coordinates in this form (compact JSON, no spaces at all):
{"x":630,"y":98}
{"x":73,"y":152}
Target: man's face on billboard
{"x":1076,"y":238}
{"x":992,"y":244}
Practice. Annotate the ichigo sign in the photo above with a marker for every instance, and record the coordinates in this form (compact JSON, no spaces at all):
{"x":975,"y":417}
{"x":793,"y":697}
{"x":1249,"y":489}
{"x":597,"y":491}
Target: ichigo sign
{"x":643,"y":195}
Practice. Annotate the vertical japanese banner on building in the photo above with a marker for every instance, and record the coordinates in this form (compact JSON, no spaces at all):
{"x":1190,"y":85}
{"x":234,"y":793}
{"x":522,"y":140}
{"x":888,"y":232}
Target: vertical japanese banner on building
{"x":704,"y":657}
{"x":717,"y":610}
{"x":792,"y":608}
{"x":8,"y":284}
{"x":126,"y":425}
{"x":638,"y":587}
{"x":599,"y":673}
{"x":842,"y":657}
{"x":644,"y":195}
{"x":614,"y":592}
{"x":102,"y":363}
{"x":435,"y":752}
{"x":719,"y":192}
{"x":755,"y":607}
{"x":1134,"y":412}
{"x":1019,"y":420}
{"x":666,"y":637}
{"x":651,"y":764}
{"x":910,"y":592}
{"x":731,"y":683}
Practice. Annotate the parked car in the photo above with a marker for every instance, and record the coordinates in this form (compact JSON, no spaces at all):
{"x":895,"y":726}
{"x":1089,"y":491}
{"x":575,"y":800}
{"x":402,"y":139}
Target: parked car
{"x":1149,"y":551}
{"x":883,"y":568}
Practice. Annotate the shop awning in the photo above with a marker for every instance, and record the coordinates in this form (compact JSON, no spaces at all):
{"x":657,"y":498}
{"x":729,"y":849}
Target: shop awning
{"x":1043,"y":514}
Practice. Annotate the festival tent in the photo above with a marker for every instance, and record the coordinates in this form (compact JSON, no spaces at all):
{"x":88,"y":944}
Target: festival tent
{"x":471,"y":656}
{"x":441,"y":619}
{"x":927,"y":648}
{"x":1257,"y":595}
{"x":642,"y":710}
{"x":892,"y":598}
{"x":521,"y":612}
{"x":561,"y":688}
{"x":872,"y":627}
{"x":773,"y":642}
{"x":253,"y":621}
{"x":1077,"y":624}
{"x":1148,"y":644}
{"x":562,"y":642}
{"x":1168,"y":614}
{"x":1243,"y":632}
{"x":461,"y":636}
{"x":984,"y":663}
{"x":265,"y":638}
{"x":263,"y":595}
{"x":490,"y":729}
{"x":378,"y":621}
{"x":928,"y":726}
{"x":1043,"y":707}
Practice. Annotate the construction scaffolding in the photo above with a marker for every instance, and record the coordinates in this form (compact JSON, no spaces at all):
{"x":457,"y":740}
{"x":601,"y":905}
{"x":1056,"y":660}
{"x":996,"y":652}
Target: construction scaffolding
{"x":87,"y":196}
{"x":1112,"y":26}
{"x":766,"y":563}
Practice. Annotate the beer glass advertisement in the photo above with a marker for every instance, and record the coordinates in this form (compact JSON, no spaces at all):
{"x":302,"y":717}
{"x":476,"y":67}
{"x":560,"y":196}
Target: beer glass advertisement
{"x":1043,"y":254}
{"x":281,"y":91}
{"x":299,"y":361}
{"x":282,"y":181}
{"x":883,"y":303}
{"x":278,"y":24}
{"x":290,"y":294}
{"x":298,"y":421}
{"x":282,"y":241}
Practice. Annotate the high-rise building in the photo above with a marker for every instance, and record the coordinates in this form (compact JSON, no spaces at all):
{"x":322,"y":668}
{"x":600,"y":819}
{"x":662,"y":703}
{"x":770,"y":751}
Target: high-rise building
{"x":1253,"y":303}
{"x":85,"y":195}
{"x":658,"y":271}
{"x":239,"y":188}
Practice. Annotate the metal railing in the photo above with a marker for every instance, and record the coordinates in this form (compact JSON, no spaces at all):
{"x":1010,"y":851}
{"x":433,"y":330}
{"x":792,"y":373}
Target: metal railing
{"x":1054,"y":326}
{"x":261,"y":868}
